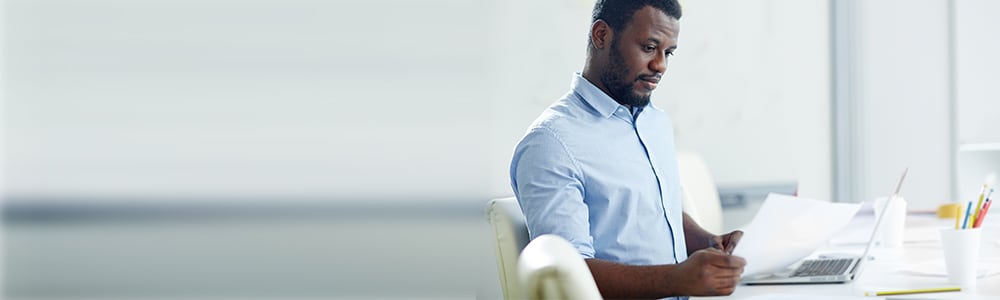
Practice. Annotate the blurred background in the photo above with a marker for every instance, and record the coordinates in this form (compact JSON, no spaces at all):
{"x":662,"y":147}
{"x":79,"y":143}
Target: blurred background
{"x":178,"y":149}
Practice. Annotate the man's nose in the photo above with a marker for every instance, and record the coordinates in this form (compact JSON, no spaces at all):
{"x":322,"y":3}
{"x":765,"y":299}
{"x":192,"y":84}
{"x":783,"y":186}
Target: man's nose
{"x":659,"y":64}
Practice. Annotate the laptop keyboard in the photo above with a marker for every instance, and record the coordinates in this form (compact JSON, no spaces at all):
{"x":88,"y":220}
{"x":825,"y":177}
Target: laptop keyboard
{"x":823,"y":267}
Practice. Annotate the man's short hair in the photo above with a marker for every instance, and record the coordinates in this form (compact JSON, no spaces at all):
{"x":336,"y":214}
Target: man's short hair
{"x":618,"y":13}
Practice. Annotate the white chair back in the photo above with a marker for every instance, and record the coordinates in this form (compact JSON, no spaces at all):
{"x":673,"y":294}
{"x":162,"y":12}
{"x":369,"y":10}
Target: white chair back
{"x":550,"y":268}
{"x":511,"y":237}
{"x":701,"y":196}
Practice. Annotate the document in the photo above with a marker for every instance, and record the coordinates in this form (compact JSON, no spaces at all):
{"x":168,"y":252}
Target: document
{"x":787,"y":229}
{"x":935,"y":268}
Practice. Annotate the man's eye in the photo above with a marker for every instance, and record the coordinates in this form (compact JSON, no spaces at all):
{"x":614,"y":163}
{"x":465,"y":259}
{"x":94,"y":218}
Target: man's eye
{"x":650,"y":48}
{"x":669,"y":53}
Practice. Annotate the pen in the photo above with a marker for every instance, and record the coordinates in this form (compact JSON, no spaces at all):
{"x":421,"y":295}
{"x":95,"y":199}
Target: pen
{"x":982,"y":214}
{"x":968,"y":210}
{"x":979,"y":205}
{"x":916,"y":291}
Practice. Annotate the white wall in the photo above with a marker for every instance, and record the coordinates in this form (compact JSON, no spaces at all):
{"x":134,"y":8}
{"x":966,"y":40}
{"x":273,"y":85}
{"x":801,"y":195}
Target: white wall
{"x":977,"y":95}
{"x":266,"y":99}
{"x":384,"y":101}
{"x":750,"y":90}
{"x":900,"y":61}
{"x":976,"y":76}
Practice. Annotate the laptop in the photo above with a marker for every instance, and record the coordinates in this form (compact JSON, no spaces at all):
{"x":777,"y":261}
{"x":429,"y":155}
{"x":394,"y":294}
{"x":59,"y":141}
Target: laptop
{"x":826,"y":270}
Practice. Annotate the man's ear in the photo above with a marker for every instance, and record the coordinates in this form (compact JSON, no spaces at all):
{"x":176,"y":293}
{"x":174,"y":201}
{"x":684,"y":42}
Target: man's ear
{"x":600,"y":34}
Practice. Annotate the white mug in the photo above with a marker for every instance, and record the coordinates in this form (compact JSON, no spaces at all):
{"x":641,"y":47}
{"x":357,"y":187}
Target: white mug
{"x":891,"y":230}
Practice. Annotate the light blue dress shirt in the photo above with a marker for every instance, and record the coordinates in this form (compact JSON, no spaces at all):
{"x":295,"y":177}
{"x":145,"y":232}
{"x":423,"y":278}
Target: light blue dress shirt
{"x":603,"y":178}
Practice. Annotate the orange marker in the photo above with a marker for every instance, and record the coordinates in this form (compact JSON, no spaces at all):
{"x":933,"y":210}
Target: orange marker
{"x":982,"y":214}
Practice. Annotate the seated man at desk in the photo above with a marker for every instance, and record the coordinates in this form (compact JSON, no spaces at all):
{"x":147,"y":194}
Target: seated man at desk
{"x":598,"y":167}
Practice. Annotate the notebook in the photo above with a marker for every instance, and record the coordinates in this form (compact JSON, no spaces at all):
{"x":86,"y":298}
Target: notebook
{"x":827,"y":270}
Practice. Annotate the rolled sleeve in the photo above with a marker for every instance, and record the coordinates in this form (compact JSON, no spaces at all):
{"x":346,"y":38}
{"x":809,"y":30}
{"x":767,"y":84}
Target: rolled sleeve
{"x":549,"y":186}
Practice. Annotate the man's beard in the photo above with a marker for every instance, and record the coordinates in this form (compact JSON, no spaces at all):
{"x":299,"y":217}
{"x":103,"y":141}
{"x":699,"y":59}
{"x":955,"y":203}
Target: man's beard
{"x":615,"y":80}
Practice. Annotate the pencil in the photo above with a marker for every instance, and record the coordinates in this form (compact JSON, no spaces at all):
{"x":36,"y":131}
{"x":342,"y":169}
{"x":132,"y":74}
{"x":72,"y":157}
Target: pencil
{"x":968,"y":211}
{"x":916,"y":291}
{"x":979,"y":205}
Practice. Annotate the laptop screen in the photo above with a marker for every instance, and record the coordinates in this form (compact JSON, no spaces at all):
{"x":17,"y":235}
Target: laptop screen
{"x":878,"y":219}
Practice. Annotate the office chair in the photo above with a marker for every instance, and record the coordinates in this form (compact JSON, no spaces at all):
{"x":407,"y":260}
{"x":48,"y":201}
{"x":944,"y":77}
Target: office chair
{"x":701,"y":197}
{"x":550,"y":268}
{"x":511,"y":236}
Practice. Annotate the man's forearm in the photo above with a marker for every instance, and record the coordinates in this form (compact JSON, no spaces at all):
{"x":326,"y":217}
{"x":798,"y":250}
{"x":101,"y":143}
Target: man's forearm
{"x":618,"y":281}
{"x":695,"y":237}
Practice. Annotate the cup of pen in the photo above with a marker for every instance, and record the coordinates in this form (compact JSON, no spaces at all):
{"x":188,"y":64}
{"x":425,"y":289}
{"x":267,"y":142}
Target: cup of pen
{"x":961,"y":255}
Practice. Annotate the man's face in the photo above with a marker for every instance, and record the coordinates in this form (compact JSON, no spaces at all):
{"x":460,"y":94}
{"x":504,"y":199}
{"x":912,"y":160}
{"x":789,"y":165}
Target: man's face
{"x":638,"y":56}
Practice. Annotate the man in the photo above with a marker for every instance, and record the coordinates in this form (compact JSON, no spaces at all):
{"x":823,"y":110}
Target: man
{"x":598,"y":167}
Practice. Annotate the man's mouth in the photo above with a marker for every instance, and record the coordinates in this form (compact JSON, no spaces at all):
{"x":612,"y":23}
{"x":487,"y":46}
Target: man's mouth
{"x":650,"y":82}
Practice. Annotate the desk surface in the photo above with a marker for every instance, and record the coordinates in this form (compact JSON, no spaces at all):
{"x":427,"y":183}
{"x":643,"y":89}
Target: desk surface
{"x":886,"y":271}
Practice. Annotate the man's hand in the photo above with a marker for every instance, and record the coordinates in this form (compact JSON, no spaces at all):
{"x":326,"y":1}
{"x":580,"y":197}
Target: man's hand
{"x":727,"y":242}
{"x":710,"y":272}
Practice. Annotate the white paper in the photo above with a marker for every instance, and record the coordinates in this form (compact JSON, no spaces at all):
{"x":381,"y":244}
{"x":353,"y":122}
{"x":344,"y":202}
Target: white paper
{"x":935,"y":268}
{"x":787,"y":229}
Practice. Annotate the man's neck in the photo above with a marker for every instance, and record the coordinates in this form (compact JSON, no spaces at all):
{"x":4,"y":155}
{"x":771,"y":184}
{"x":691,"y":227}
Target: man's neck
{"x":595,"y":79}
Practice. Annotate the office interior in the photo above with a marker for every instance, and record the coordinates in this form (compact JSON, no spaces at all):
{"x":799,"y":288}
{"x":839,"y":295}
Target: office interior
{"x":346,"y":150}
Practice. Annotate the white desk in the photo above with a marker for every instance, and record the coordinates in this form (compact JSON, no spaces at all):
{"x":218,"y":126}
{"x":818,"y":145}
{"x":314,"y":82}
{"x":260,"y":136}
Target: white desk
{"x":885,"y":272}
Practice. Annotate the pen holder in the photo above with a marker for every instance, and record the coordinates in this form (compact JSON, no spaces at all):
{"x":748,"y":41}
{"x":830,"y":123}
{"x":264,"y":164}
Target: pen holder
{"x":961,"y":255}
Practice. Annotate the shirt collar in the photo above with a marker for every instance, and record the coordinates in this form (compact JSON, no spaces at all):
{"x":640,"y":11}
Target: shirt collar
{"x":596,"y":98}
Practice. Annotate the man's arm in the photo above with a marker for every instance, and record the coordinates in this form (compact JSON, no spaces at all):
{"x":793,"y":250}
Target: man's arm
{"x":549,"y":188}
{"x":698,"y":238}
{"x":707,"y":272}
{"x":548,"y":185}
